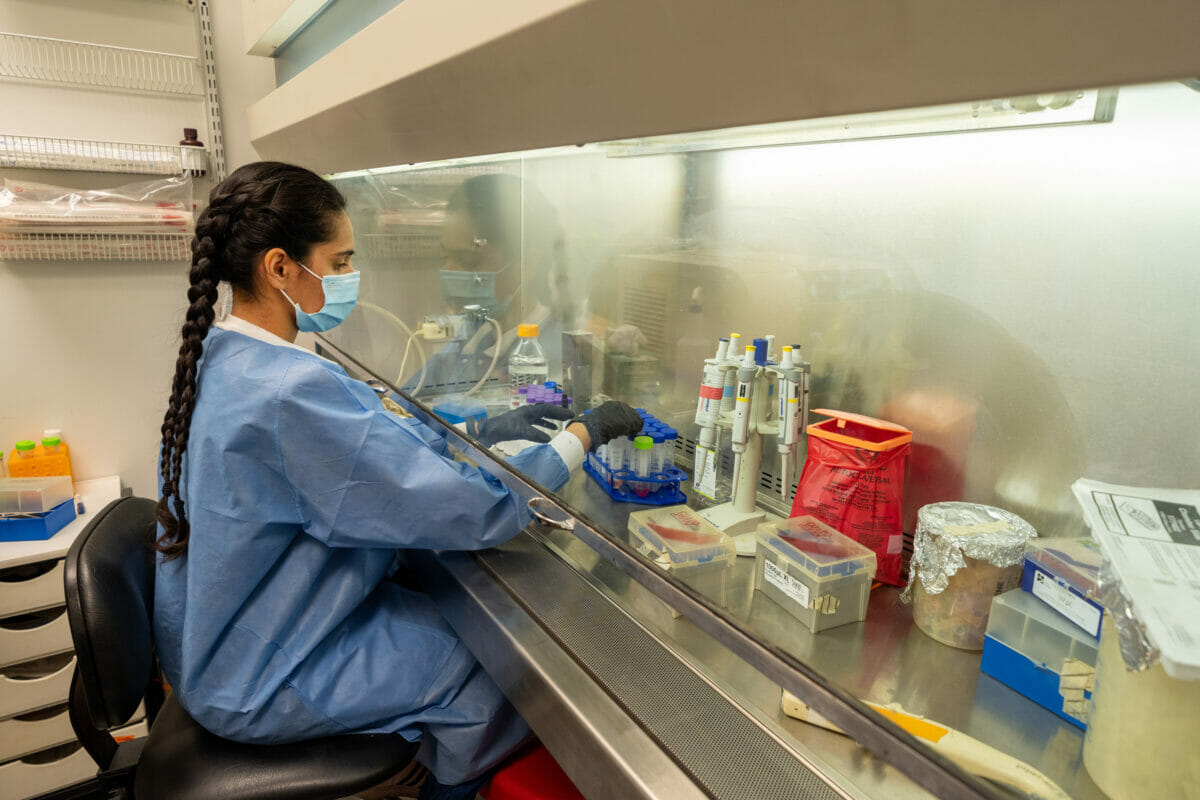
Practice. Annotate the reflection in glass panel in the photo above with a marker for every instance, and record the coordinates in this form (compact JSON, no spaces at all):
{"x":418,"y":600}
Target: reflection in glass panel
{"x":1022,"y":300}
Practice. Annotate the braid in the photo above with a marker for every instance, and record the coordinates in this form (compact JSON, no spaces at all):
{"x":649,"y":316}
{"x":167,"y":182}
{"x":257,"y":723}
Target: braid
{"x":259,"y":206}
{"x":202,"y":296}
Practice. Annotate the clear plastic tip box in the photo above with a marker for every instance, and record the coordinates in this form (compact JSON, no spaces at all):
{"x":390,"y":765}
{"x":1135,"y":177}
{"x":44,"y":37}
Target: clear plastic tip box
{"x":818,"y":575}
{"x":679,"y":538}
{"x":679,"y":541}
{"x":35,"y":508}
{"x":1039,"y":653}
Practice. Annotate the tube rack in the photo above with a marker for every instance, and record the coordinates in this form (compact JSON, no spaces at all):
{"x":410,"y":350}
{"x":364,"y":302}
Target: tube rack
{"x":625,"y":485}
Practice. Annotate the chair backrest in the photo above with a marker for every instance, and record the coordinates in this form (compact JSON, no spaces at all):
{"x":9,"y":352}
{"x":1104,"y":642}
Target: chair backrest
{"x":109,"y":579}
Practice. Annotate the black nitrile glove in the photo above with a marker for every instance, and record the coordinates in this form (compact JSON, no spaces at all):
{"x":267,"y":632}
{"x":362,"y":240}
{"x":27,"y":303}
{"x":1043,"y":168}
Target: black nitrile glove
{"x":518,"y":424}
{"x":612,"y":419}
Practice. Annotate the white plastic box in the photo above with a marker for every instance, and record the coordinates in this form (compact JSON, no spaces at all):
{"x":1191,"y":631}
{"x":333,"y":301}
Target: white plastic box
{"x":818,"y":575}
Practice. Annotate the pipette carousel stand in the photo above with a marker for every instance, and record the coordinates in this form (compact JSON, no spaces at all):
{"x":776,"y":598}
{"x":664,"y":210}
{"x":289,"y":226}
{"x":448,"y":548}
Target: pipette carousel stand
{"x":751,"y":418}
{"x":740,"y":517}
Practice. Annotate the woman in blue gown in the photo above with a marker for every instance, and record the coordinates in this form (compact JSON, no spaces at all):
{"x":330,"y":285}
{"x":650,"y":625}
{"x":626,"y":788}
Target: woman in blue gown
{"x":288,"y":495}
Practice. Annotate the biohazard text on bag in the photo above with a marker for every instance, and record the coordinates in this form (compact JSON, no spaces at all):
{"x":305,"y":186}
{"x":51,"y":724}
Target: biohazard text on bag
{"x":853,"y":481}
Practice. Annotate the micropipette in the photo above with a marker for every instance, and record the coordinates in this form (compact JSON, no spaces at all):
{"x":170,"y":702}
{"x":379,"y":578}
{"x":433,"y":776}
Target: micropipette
{"x":734,"y":354}
{"x":741,"y":412}
{"x":789,"y":415}
{"x":708,"y":408}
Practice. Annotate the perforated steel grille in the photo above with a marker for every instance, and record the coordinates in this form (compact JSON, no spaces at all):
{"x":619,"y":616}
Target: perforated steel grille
{"x":723,"y":750}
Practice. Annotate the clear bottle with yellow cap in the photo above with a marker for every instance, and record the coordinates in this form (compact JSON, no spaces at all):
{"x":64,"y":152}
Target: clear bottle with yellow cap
{"x":527,"y":365}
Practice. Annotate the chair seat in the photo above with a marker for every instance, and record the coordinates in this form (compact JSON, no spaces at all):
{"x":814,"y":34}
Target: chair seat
{"x":182,"y":761}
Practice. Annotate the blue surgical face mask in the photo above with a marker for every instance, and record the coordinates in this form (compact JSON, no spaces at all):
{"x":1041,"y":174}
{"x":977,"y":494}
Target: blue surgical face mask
{"x":341,"y":295}
{"x":461,"y":289}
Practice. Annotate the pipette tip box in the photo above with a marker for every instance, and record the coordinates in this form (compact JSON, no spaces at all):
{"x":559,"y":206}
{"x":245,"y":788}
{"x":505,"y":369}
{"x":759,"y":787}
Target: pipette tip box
{"x":1063,"y":574}
{"x":1037,"y":652}
{"x":459,"y":410}
{"x":680,"y":538}
{"x":818,"y":575}
{"x":34,"y":495}
{"x":37,"y":526}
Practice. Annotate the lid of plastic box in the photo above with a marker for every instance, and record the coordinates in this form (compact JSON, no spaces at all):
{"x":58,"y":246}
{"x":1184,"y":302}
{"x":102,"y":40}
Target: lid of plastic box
{"x":1076,"y":561}
{"x":1025,"y":624}
{"x":460,"y":410}
{"x":34,"y":495}
{"x":682,"y":535}
{"x":816,"y":547}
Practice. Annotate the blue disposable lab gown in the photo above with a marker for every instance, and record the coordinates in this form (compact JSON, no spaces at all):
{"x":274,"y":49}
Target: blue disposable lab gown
{"x":302,"y":492}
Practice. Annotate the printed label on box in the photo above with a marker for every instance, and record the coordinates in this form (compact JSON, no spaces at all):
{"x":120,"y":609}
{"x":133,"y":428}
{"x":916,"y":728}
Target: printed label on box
{"x":1067,"y":603}
{"x":786,"y":583}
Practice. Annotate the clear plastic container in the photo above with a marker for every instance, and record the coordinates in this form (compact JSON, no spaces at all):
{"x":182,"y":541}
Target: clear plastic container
{"x":1036,"y":651}
{"x":1142,"y":732}
{"x":527,"y":366}
{"x":34,"y":495}
{"x":817,"y":575}
{"x":678,"y":537}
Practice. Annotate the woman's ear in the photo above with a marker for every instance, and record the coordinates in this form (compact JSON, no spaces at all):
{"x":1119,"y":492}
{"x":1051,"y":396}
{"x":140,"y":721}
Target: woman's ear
{"x":273,"y":267}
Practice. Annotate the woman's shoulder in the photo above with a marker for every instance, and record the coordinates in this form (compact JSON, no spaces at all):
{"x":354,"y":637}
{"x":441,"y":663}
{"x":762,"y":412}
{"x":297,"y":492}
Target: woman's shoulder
{"x":295,"y":377}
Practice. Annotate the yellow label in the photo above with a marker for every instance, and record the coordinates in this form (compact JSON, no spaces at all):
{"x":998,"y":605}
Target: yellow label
{"x":921,"y":728}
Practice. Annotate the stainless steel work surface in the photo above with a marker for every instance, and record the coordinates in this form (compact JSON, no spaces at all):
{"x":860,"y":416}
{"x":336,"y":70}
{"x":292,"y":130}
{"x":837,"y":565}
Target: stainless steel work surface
{"x":886,"y":659}
{"x":627,"y":718}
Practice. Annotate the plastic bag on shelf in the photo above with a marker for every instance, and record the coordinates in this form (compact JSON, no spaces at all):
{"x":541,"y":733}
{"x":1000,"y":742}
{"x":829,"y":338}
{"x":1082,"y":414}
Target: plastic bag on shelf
{"x":146,"y":207}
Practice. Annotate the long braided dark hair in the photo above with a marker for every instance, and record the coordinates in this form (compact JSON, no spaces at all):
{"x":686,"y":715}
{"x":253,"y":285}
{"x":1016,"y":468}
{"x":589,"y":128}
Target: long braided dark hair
{"x":260,"y":206}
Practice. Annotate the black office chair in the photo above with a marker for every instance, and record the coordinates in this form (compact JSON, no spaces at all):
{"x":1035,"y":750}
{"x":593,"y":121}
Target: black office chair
{"x":110,"y":600}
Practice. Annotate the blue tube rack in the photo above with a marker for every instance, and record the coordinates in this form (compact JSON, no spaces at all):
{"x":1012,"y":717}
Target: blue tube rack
{"x":626,"y":486}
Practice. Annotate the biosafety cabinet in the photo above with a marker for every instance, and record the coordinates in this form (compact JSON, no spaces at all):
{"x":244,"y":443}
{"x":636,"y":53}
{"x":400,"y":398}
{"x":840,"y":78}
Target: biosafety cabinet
{"x":978,"y":224}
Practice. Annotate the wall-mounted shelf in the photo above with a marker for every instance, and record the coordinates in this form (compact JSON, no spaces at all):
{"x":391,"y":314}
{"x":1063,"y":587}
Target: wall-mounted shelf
{"x":62,"y":61}
{"x":36,"y":152}
{"x":95,"y":247}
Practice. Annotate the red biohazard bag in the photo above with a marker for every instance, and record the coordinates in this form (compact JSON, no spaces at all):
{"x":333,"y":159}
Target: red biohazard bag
{"x":853,"y":481}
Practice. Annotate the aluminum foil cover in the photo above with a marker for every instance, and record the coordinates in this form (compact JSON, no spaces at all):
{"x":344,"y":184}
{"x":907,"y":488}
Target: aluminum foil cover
{"x":948,"y":532}
{"x":1136,"y":649}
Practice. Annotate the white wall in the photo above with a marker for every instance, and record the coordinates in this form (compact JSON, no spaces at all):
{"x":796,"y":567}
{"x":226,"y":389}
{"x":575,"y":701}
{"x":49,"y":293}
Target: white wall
{"x":242,"y":79}
{"x":90,"y":347}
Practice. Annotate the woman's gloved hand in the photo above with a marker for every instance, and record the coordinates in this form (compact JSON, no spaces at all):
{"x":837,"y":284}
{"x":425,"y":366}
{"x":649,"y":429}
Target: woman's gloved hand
{"x":519,"y":424}
{"x":610,"y":420}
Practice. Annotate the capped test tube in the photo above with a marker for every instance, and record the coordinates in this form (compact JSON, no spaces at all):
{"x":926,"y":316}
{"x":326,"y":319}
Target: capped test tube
{"x":657,"y":452}
{"x":642,"y":446}
{"x":621,"y":458}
